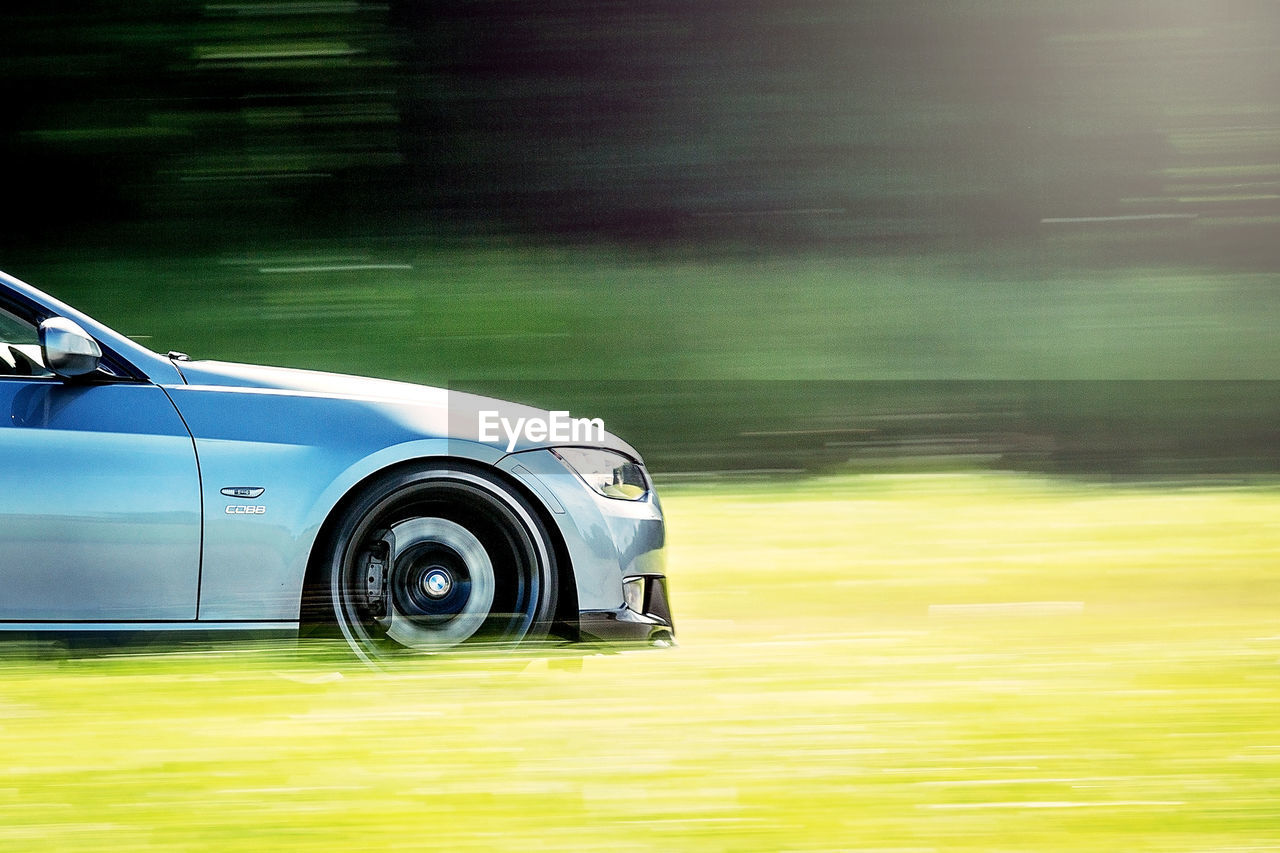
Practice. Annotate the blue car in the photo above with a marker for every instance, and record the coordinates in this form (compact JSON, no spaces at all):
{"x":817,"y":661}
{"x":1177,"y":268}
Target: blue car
{"x":147,"y":492}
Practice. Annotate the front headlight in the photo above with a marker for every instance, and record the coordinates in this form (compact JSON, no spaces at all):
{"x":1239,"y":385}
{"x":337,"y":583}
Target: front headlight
{"x":607,"y":473}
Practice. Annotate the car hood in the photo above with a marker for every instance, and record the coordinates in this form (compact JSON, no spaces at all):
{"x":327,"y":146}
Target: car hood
{"x":439,"y":411}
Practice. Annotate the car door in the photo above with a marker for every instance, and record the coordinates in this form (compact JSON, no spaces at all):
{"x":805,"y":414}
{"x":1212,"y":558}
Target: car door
{"x":99,"y":494}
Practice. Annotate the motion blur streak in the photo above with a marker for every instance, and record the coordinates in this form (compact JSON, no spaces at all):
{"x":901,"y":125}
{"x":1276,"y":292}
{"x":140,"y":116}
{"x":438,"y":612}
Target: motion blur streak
{"x":904,"y":208}
{"x":1146,"y":130}
{"x":821,"y":699}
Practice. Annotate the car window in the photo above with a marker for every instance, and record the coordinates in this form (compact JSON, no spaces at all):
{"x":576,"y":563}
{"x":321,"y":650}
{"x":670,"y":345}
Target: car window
{"x":19,"y":347}
{"x":16,"y":331}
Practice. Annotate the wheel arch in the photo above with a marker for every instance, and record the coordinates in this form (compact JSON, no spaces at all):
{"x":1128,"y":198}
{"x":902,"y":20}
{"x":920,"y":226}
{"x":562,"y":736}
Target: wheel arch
{"x":315,"y":605}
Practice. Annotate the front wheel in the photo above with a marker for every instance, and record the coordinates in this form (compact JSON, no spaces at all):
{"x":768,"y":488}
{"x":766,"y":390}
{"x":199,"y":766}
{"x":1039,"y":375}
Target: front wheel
{"x":428,"y":559}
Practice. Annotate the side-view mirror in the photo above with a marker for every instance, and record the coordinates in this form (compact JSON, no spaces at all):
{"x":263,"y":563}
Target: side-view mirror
{"x":67,"y":349}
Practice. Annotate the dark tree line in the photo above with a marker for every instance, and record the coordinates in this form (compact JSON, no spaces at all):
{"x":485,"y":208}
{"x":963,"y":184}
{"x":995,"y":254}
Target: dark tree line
{"x":160,"y":123}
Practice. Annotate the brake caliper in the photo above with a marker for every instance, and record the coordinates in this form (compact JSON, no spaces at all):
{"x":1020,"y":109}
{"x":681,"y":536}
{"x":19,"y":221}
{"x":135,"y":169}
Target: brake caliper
{"x":375,"y":577}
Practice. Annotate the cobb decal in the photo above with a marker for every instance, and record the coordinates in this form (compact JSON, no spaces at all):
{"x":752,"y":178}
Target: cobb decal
{"x":246,"y":509}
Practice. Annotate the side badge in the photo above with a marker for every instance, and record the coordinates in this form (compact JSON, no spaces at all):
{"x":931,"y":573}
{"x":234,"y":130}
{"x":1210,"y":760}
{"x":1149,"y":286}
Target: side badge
{"x":249,"y":492}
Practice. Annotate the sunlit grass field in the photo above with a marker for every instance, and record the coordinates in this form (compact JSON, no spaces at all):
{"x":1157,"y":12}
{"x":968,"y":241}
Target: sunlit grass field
{"x":974,"y":662}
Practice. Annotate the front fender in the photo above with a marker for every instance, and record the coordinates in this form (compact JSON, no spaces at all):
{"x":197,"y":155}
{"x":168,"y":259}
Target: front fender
{"x":304,"y":453}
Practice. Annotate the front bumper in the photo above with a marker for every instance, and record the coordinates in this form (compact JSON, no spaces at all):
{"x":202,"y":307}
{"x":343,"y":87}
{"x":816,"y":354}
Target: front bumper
{"x":648,"y":622}
{"x":610,"y":543}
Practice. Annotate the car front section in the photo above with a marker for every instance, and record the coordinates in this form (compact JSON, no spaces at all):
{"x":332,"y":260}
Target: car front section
{"x":616,"y":545}
{"x":425,"y":517}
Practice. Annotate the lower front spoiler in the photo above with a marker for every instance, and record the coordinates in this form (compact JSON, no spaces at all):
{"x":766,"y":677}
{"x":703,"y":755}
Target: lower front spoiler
{"x":646,"y":617}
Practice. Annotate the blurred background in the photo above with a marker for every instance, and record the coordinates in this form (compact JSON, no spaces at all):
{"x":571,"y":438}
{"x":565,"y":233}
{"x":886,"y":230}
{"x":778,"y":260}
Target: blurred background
{"x":860,"y":279}
{"x":750,"y":235}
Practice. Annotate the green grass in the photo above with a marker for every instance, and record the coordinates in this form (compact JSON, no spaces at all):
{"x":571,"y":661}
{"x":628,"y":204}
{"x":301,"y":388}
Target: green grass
{"x":906,"y":663}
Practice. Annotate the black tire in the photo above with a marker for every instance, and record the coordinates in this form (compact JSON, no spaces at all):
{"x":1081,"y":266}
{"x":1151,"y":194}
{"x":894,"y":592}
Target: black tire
{"x":434,"y":557}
